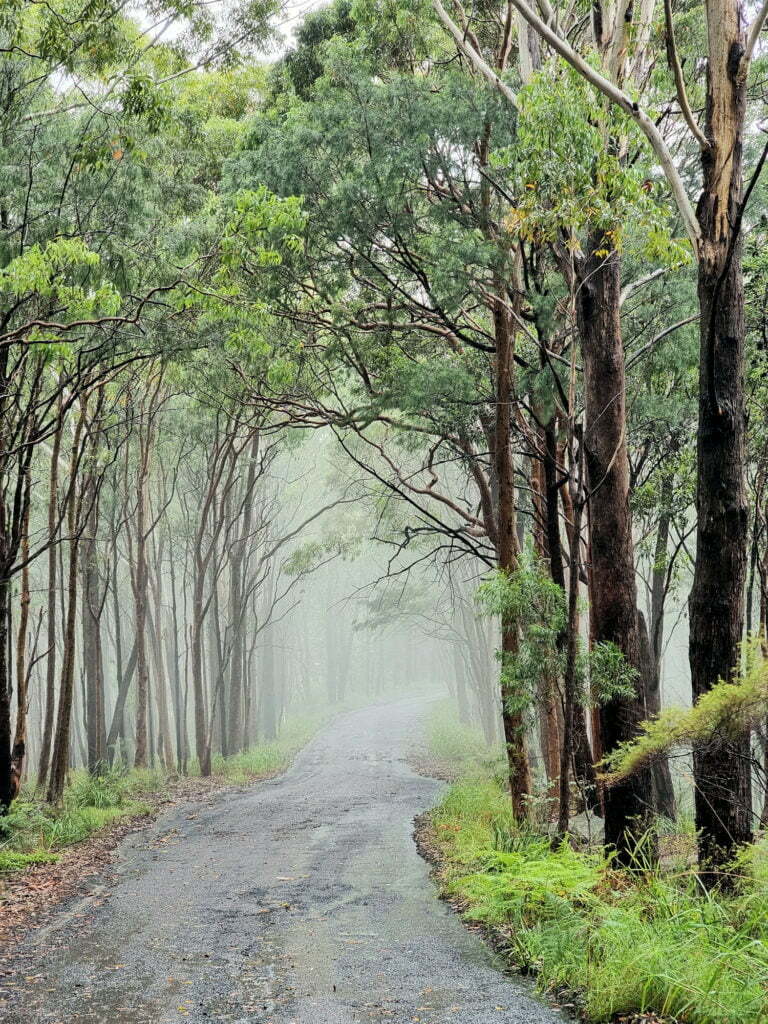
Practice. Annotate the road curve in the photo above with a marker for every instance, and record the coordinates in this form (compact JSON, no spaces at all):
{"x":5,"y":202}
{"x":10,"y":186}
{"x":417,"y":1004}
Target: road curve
{"x":299,"y":901}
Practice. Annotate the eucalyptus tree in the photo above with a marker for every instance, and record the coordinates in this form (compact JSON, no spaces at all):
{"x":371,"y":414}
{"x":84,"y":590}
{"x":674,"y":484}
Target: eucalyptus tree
{"x":440,"y":291}
{"x":590,"y":199}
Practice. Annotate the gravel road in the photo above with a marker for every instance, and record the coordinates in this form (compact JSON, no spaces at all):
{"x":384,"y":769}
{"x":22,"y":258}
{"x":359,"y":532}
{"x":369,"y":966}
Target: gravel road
{"x":299,"y":901}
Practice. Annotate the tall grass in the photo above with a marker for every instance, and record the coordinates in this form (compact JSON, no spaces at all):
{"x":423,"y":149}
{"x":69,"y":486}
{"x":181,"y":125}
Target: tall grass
{"x":653,"y":942}
{"x":270,"y":757}
{"x":33,"y":832}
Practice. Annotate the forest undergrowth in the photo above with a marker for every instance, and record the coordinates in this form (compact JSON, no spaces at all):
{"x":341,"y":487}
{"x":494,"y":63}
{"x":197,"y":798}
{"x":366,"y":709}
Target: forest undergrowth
{"x":604,"y":943}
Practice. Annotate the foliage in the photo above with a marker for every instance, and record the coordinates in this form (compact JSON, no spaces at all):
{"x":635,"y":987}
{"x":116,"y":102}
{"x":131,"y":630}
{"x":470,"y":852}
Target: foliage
{"x":568,"y":181}
{"x":621,"y":945}
{"x":107,"y":789}
{"x":269,"y":758}
{"x":729,"y":709}
{"x":31,"y":827}
{"x":529,"y":601}
{"x":13,"y":860}
{"x":610,"y":675}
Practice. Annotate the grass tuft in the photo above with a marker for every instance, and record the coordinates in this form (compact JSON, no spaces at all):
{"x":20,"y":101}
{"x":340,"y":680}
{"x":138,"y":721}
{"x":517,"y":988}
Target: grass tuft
{"x":12,"y":860}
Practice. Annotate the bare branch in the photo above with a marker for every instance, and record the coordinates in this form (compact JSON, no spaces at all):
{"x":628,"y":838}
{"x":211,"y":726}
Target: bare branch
{"x":640,"y":282}
{"x":754,"y":34}
{"x":473,"y":56}
{"x":682,"y":96}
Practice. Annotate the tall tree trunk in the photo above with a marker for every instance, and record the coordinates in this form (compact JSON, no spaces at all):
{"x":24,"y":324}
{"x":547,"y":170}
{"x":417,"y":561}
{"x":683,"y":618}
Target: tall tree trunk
{"x":664,"y":791}
{"x":6,"y":768}
{"x":268,"y":702}
{"x":513,"y":709}
{"x":140,"y":588}
{"x":116,"y":728}
{"x":572,"y":646}
{"x":91,"y":629}
{"x":61,"y":743}
{"x":237,"y":603}
{"x":50,"y":665}
{"x":721,"y":768}
{"x":22,"y":673}
{"x":459,"y":675}
{"x":614,"y":588}
{"x":174,"y":659}
{"x":202,"y":746}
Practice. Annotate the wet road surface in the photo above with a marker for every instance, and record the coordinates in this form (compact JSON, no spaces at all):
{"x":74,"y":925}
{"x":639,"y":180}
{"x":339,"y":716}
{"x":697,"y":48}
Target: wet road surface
{"x":300,"y":901}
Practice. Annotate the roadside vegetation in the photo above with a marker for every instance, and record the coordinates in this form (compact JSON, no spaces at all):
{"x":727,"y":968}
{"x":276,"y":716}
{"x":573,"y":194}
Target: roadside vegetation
{"x":456,"y":749}
{"x":34,"y":833}
{"x":605,"y":942}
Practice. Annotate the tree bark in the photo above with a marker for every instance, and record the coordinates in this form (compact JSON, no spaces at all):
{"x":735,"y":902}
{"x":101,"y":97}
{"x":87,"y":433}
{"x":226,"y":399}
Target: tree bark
{"x":140,"y":589}
{"x":61,"y":744}
{"x":22,"y":675}
{"x":664,"y":791}
{"x":50,"y":665}
{"x":91,"y":629}
{"x":513,"y":709}
{"x":614,"y":588}
{"x":722,"y":772}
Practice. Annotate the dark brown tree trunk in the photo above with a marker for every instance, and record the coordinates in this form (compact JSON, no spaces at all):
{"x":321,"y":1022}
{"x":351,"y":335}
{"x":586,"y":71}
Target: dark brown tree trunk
{"x":513,"y":709}
{"x":22,"y":673}
{"x":614,"y":589}
{"x":716,"y":604}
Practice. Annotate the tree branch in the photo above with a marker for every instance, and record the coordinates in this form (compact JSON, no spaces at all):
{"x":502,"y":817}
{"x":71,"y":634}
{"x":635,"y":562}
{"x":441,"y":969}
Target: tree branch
{"x":754,"y":34}
{"x":473,"y":56}
{"x":677,"y":71}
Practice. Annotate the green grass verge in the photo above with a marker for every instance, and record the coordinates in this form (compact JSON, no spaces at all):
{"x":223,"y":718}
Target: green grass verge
{"x":616,"y":944}
{"x":34,"y":833}
{"x":269,"y":758}
{"x":459,"y":744}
